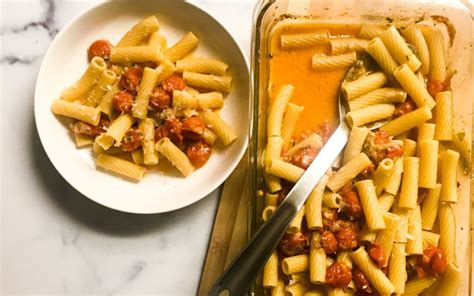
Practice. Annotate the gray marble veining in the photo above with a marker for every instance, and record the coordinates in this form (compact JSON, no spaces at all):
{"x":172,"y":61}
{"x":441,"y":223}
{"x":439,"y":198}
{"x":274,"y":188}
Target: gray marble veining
{"x":54,"y":241}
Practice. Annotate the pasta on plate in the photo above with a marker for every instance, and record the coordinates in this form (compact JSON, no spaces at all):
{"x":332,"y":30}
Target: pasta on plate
{"x":140,"y":101}
{"x":381,"y":222}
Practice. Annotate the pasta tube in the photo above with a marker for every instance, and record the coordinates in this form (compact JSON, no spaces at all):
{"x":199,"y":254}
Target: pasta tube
{"x":326,"y":63}
{"x":273,"y":150}
{"x":451,"y":281}
{"x":415,"y":37}
{"x":436,"y":48}
{"x":207,"y":81}
{"x":295,"y":225}
{"x":289,"y":122}
{"x":82,"y":86}
{"x":182,"y":47}
{"x":100,"y":88}
{"x":447,"y":231}
{"x":449,"y":168}
{"x":370,"y":31}
{"x":378,"y":279}
{"x":380,"y":53}
{"x":348,"y":172}
{"x":313,"y":205}
{"x":291,"y":41}
{"x":223,"y":130}
{"x":201,"y":65}
{"x":406,"y":122}
{"x":386,"y":237}
{"x":363,"y":85}
{"x":444,"y":116}
{"x":395,"y":180}
{"x":295,"y":264}
{"x":368,"y":199}
{"x":139,"y":32}
{"x":150,"y":155}
{"x":77,"y":111}
{"x":426,"y":131}
{"x":398,"y":48}
{"x":416,"y":286}
{"x":270,"y":271}
{"x":314,"y":140}
{"x":409,"y":192}
{"x":149,"y":80}
{"x":284,"y":170}
{"x":135,"y":54}
{"x":370,"y":114}
{"x":317,"y":261}
{"x":355,"y":143}
{"x":120,"y":166}
{"x":382,"y":175}
{"x":332,"y":200}
{"x":210,"y":100}
{"x":175,"y":156}
{"x":277,"y":110}
{"x":429,"y":209}
{"x":397,"y":273}
{"x":158,"y":40}
{"x":430,"y":239}
{"x":415,"y":244}
{"x":409,"y":148}
{"x":379,"y":96}
{"x":344,"y":45}
{"x":428,"y":163}
{"x":119,"y":127}
{"x":106,"y":106}
{"x":413,"y":87}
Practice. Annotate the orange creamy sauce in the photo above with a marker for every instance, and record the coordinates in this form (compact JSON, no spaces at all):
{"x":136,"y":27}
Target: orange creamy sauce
{"x":317,"y":91}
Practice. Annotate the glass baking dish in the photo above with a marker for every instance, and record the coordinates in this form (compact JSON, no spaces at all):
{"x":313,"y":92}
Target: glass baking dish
{"x":452,"y":15}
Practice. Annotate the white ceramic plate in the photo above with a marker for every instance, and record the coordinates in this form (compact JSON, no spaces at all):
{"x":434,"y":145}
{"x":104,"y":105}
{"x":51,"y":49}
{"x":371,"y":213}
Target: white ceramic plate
{"x":66,"y":60}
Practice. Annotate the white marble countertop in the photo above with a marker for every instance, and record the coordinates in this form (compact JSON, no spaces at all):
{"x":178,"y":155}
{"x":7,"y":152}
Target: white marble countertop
{"x":55,"y":241}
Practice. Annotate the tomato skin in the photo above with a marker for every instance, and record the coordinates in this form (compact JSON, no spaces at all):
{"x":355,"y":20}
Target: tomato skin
{"x":377,"y":255}
{"x":132,"y":140}
{"x":88,"y":130}
{"x":131,"y":79}
{"x":159,"y":99}
{"x":433,"y":261}
{"x":304,"y":157}
{"x":293,"y":244}
{"x":123,"y":101}
{"x":362,"y":283}
{"x":193,"y":127}
{"x":173,"y":83}
{"x":347,"y":238}
{"x":352,"y":206}
{"x":198,"y":153}
{"x":338,"y":275}
{"x":404,"y":108}
{"x":434,"y":87}
{"x":99,"y":48}
{"x":328,"y":242}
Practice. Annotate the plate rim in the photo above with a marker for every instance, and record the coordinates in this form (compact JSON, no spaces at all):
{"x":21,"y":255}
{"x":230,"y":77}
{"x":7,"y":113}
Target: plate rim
{"x":70,"y":180}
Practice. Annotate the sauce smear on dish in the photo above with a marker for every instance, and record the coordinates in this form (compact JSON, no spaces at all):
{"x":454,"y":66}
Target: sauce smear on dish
{"x":317,"y":91}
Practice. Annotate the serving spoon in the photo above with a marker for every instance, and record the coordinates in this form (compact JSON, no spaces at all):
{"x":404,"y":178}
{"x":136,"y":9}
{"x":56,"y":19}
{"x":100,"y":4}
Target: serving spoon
{"x":240,"y":274}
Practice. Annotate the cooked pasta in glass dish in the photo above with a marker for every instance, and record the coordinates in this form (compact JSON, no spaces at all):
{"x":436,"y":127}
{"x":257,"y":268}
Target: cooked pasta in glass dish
{"x":381,"y":220}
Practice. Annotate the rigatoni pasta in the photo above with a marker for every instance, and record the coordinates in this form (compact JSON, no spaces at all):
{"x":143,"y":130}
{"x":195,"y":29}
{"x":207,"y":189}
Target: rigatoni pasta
{"x":182,"y":47}
{"x":304,"y":40}
{"x":81,"y":87}
{"x":322,"y":62}
{"x":363,"y":85}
